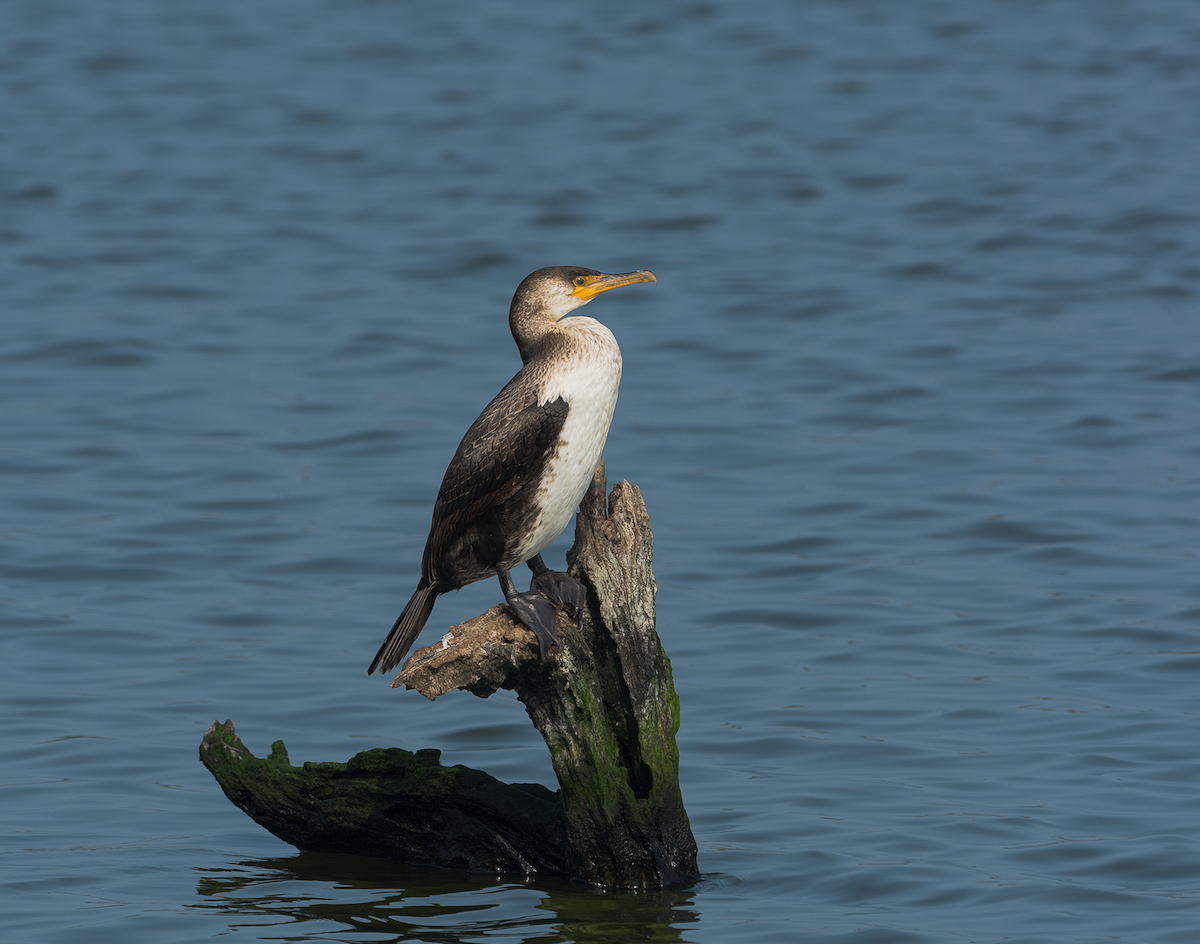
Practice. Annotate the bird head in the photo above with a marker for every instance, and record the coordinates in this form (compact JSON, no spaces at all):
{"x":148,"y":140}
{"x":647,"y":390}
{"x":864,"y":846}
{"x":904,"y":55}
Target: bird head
{"x":556,"y":291}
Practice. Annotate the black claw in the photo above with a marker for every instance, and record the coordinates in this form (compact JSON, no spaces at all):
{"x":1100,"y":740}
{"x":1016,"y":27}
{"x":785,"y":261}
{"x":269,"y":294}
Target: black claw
{"x":561,"y":589}
{"x":548,"y":592}
{"x":539,"y":614}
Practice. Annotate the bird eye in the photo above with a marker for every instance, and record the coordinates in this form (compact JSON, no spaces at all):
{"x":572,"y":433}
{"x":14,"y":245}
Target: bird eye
{"x":581,"y":281}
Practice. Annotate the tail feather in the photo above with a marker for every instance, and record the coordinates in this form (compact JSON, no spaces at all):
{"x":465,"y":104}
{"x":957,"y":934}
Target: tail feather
{"x":405,"y":630}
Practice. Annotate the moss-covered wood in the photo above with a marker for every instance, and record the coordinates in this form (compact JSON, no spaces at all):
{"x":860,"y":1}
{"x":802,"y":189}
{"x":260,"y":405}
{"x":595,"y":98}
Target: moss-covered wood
{"x":390,"y":803}
{"x":603,"y":700}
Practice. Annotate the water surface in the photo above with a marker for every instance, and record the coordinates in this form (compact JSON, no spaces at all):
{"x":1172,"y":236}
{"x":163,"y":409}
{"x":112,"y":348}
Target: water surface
{"x":913,"y":406}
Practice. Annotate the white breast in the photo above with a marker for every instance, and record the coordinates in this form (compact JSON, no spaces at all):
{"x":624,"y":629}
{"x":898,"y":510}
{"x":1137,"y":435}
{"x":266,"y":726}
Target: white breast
{"x":588,"y":381}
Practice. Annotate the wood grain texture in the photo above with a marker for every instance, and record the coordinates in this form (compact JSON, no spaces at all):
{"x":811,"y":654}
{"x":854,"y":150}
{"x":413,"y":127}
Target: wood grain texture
{"x":603,"y":700}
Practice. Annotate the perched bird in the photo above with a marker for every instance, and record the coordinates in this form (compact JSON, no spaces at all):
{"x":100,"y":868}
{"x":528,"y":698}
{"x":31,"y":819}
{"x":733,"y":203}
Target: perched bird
{"x":523,"y":467}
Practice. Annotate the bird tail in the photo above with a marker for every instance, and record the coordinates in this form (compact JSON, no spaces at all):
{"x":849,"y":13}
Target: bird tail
{"x":406,"y":629}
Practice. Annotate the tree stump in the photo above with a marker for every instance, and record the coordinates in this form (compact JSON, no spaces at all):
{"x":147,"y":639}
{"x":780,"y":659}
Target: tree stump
{"x":603,"y":700}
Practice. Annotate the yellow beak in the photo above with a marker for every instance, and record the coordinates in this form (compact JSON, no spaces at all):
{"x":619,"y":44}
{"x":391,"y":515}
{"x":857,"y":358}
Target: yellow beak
{"x":595,"y":284}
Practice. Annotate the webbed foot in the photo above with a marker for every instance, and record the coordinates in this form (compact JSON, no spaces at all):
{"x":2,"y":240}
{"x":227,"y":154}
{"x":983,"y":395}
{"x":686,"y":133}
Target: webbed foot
{"x":549,"y":590}
{"x":539,"y":614}
{"x":561,"y":589}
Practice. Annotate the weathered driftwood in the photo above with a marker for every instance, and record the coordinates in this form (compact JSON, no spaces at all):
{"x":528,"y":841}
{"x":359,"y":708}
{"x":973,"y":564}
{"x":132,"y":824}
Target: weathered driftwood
{"x":389,"y":803}
{"x":603,"y":700}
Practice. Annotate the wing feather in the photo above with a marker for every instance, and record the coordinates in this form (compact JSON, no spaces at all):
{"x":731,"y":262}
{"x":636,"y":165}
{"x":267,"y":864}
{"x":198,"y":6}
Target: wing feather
{"x":505,"y":447}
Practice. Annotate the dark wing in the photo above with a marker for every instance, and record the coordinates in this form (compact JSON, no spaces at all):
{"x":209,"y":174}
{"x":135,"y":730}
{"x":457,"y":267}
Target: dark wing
{"x":504,"y":448}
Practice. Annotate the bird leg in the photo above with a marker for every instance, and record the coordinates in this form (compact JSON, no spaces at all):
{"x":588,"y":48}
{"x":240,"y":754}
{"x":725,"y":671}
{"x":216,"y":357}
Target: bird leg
{"x":561,"y":589}
{"x":532,"y":609}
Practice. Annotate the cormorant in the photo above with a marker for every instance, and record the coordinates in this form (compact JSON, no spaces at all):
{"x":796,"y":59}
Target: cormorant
{"x":523,"y":467}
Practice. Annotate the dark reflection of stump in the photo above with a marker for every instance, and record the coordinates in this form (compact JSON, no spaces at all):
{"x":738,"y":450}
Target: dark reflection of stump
{"x":413,"y":902}
{"x":603,"y":700}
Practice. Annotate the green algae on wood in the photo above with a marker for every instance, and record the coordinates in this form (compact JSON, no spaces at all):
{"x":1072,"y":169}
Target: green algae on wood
{"x":389,"y":803}
{"x":603,"y":700}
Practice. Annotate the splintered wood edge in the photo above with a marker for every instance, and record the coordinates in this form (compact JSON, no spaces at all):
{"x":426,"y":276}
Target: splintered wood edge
{"x":480,"y":654}
{"x":484,"y":650}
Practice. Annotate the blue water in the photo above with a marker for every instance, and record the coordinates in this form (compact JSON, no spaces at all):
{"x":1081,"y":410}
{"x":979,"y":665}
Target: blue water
{"x":914,"y":407}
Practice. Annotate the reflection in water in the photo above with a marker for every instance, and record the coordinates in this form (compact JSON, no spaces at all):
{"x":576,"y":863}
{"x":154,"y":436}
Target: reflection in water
{"x":357,"y":899}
